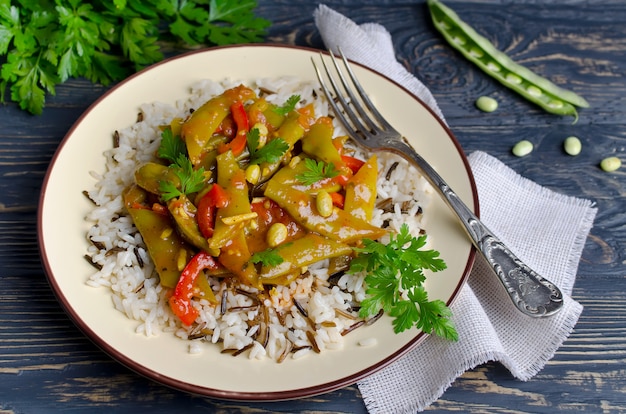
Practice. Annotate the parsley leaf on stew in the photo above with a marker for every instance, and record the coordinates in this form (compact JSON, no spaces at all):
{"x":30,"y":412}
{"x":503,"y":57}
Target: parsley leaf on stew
{"x":288,"y":106}
{"x":271,"y":152}
{"x":171,"y":146}
{"x":267,"y":257}
{"x":316,"y":171}
{"x":191,"y":181}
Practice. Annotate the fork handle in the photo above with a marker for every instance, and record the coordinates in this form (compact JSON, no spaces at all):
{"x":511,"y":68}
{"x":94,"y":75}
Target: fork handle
{"x":531,"y":293}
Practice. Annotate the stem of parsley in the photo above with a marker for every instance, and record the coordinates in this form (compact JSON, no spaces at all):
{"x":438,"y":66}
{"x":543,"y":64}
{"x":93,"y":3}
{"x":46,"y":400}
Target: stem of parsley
{"x":44,"y":43}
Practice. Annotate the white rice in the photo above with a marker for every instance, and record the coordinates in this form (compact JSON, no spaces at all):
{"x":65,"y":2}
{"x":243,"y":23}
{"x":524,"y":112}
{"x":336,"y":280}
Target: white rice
{"x":127,"y":271}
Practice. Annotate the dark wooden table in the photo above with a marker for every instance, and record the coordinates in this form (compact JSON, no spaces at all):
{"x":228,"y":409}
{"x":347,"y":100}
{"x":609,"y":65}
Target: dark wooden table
{"x":47,"y":365}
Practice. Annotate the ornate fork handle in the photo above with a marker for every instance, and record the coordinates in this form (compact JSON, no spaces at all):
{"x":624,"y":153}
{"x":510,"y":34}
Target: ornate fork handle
{"x":531,"y":293}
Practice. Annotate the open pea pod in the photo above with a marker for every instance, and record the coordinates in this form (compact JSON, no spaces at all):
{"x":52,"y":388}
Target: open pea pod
{"x":199,"y":128}
{"x":361,"y":190}
{"x":165,"y":246}
{"x":340,"y":225}
{"x":302,"y":252}
{"x":497,"y":64}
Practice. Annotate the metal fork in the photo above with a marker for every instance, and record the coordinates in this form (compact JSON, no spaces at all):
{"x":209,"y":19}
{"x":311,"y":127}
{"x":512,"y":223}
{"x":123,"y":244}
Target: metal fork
{"x":532,"y":294}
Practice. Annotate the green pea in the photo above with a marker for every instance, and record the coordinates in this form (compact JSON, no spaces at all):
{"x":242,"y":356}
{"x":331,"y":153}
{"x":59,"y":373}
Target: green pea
{"x":513,"y":79}
{"x":460,"y":40}
{"x":522,"y":148}
{"x":572,"y":145}
{"x":493,"y":66}
{"x":276,"y":234}
{"x":610,"y":164}
{"x":486,"y":104}
{"x":534,"y":91}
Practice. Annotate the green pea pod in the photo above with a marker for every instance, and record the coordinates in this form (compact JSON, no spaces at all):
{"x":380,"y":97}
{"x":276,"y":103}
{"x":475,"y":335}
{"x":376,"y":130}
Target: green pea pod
{"x":150,"y":175}
{"x":361,"y":190}
{"x":500,"y":66}
{"x":198,"y":130}
{"x":340,"y":225}
{"x":302,"y":252}
{"x":291,"y":131}
{"x":288,"y":177}
{"x":233,"y":180}
{"x":184,"y":213}
{"x":165,"y":246}
{"x":318,"y":143}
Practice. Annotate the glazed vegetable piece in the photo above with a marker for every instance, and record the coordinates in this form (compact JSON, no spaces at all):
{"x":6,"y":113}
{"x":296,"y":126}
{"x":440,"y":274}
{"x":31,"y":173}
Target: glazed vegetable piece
{"x":184,"y":213}
{"x":235,"y":256}
{"x":318,"y":142}
{"x":302,"y":252}
{"x":216,"y":197}
{"x":268,"y":214}
{"x":230,"y":239}
{"x":497,"y":64}
{"x":199,"y":128}
{"x":291,"y":131}
{"x":290,"y":176}
{"x":340,"y":225}
{"x":361,"y":190}
{"x":232,"y":179}
{"x":180,"y":301}
{"x":151,"y":174}
{"x":165,"y":246}
{"x":238,"y":143}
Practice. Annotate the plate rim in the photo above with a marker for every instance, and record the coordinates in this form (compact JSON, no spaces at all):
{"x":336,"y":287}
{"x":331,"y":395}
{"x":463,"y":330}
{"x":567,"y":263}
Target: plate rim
{"x":154,"y":375}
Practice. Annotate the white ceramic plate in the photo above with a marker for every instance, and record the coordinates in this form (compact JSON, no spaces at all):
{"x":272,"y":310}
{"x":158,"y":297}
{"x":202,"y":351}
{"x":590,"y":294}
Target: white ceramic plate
{"x":165,"y":358}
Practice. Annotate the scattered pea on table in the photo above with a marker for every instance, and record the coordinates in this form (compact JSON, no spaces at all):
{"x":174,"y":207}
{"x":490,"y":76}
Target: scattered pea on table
{"x":610,"y":164}
{"x":486,"y":104}
{"x":522,"y":148}
{"x":572,"y":145}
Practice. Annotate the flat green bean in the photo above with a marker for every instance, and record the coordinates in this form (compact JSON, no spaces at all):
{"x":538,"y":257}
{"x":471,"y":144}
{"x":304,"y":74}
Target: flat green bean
{"x":500,"y":66}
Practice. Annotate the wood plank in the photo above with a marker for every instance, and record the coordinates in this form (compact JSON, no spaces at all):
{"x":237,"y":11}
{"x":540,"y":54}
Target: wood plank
{"x":48,"y":365}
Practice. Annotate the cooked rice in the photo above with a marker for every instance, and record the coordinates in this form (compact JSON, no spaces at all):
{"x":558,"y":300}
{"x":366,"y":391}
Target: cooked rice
{"x":126,"y":269}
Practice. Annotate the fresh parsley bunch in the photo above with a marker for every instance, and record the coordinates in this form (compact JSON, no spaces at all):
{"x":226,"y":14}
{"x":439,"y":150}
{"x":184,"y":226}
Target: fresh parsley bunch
{"x":46,"y":42}
{"x":395,"y":277}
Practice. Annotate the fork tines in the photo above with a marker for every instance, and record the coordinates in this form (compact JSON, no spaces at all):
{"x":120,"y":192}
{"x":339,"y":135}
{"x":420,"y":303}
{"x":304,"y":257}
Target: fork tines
{"x":354,"y":110}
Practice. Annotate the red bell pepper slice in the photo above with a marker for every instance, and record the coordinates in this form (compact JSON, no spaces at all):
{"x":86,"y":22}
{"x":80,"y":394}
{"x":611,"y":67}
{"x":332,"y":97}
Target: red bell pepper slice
{"x":353,"y":163}
{"x":338,"y":200}
{"x":180,"y":301}
{"x":239,"y":143}
{"x":215,"y":198}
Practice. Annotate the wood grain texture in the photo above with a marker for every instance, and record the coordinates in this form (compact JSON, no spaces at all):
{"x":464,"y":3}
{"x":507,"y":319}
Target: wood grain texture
{"x":47,"y":365}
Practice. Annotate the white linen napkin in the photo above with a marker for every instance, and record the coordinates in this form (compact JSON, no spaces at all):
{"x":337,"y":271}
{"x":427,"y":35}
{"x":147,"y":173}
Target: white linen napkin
{"x":545,"y":229}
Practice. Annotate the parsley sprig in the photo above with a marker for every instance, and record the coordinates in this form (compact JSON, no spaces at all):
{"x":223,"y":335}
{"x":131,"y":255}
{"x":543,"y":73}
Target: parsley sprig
{"x":191,"y":181}
{"x":271,"y":152}
{"x":288,"y":106}
{"x":268,"y":257}
{"x":395,"y":277}
{"x":316,"y":171}
{"x":47,"y":42}
{"x":171,"y":147}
